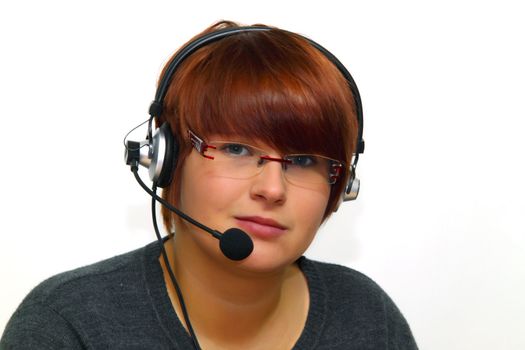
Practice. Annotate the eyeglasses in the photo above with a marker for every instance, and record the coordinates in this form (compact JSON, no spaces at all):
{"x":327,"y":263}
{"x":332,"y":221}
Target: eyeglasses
{"x":241,"y":161}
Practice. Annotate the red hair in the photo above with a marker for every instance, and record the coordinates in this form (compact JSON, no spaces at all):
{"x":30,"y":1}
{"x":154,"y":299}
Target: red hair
{"x":273,"y":86}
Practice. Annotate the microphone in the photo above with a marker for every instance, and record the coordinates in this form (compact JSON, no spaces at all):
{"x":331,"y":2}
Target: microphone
{"x":234,"y":243}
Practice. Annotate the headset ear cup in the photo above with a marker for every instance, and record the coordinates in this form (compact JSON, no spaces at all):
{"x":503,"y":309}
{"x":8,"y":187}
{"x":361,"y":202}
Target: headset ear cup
{"x":169,"y":161}
{"x":350,"y":191}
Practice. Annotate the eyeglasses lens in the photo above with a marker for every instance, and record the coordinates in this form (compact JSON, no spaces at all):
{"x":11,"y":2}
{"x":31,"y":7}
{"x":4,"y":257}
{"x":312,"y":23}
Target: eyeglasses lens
{"x":241,"y":161}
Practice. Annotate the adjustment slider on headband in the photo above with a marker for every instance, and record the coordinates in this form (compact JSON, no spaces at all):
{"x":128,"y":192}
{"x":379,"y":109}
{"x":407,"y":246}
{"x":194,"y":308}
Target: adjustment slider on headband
{"x":155,"y":108}
{"x":360,"y":146}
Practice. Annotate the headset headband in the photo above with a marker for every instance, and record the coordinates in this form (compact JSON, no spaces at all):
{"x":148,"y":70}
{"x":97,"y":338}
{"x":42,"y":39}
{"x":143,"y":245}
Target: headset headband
{"x":157,"y":104}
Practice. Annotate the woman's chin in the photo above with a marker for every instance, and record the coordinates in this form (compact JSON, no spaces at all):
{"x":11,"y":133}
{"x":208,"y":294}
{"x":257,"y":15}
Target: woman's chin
{"x":266,"y":260}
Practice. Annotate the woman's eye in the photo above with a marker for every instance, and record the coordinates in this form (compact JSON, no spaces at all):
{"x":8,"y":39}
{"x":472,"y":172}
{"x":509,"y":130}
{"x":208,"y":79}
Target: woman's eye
{"x":302,"y":160}
{"x":236,"y":149}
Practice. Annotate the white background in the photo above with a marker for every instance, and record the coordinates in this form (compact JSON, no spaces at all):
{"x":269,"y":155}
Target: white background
{"x":439,"y":223}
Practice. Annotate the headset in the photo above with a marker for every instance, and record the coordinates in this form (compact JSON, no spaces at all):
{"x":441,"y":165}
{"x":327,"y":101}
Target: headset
{"x":161,"y":151}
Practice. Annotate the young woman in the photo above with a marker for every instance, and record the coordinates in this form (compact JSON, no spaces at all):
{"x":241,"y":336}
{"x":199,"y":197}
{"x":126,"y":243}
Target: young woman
{"x":260,"y":128}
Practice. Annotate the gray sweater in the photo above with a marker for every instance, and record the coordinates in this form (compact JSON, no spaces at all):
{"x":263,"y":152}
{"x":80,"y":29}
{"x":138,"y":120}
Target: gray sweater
{"x":122,"y":303}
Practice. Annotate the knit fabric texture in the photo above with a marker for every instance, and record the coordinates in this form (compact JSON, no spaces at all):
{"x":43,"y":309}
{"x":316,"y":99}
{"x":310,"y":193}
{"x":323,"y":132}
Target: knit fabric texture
{"x":122,"y":303}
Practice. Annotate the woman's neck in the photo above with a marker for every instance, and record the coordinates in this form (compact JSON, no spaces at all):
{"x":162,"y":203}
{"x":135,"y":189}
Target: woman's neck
{"x":231,"y":307}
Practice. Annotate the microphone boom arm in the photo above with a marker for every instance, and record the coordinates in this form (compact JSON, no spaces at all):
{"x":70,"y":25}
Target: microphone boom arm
{"x":214,"y":233}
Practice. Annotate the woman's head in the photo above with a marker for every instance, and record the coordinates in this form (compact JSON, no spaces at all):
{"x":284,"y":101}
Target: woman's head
{"x":271,"y":86}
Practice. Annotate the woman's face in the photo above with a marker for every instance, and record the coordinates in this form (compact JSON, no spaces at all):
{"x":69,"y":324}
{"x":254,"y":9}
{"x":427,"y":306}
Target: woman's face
{"x":281,"y":218}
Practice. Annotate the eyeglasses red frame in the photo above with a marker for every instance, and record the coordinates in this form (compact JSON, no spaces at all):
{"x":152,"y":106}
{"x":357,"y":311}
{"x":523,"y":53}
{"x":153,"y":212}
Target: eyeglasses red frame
{"x":201,"y":146}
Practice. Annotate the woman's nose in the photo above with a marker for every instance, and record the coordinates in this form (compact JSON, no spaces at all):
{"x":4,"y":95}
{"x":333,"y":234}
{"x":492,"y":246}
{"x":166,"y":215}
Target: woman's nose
{"x":270,"y":185}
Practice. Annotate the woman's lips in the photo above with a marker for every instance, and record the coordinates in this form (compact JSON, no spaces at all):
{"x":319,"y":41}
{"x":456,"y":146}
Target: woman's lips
{"x":261,"y":227}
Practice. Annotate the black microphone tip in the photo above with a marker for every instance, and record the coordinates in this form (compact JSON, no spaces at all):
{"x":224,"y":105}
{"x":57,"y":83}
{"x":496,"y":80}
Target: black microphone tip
{"x":235,"y":244}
